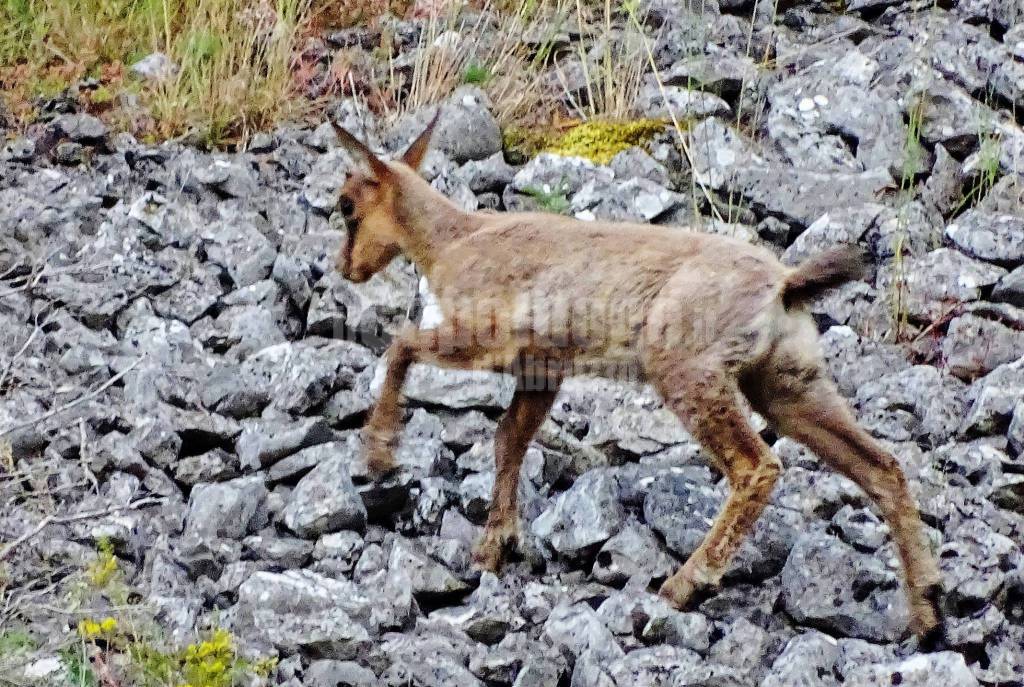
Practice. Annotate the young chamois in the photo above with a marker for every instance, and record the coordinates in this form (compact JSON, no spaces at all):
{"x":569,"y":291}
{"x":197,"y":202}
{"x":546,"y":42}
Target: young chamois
{"x":706,"y":320}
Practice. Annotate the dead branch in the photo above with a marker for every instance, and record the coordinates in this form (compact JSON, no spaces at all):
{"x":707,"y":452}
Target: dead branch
{"x":83,"y":457}
{"x":65,"y":519}
{"x":68,"y":406}
{"x":38,"y":275}
{"x":21,"y":351}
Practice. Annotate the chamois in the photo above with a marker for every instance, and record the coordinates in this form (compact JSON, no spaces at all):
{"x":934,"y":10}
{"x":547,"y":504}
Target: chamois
{"x":706,"y":320}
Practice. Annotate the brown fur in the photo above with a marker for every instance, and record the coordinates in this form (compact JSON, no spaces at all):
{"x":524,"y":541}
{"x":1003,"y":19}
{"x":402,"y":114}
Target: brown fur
{"x":708,"y":320}
{"x":822,"y":272}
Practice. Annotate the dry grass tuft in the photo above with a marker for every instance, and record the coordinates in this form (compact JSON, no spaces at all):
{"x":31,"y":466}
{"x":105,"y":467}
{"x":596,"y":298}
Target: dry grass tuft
{"x":486,"y":48}
{"x":613,"y":68}
{"x":245,"y":65}
{"x":235,"y":60}
{"x":236,"y":69}
{"x":349,"y":13}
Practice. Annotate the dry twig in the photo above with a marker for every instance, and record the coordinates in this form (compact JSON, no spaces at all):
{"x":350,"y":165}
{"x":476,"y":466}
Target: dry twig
{"x":77,"y":517}
{"x":68,"y":406}
{"x":21,"y":351}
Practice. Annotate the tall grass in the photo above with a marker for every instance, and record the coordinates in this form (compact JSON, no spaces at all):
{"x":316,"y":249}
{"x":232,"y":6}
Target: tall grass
{"x":613,"y":72}
{"x":241,"y":68}
{"x":83,"y":33}
{"x":234,"y":57}
{"x":487,"y":50}
{"x":235,"y":62}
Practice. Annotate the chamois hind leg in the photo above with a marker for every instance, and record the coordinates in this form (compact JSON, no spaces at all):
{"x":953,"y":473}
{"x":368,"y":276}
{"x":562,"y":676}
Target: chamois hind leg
{"x":444,"y":345}
{"x":705,"y":396}
{"x":515,"y":429}
{"x":818,"y":417}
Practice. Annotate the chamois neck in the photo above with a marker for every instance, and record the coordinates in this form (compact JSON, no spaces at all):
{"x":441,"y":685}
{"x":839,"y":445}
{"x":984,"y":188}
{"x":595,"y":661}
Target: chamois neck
{"x":431,"y":222}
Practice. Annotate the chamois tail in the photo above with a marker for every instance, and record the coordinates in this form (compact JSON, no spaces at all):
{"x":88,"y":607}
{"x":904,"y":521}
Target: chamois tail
{"x":822,"y":272}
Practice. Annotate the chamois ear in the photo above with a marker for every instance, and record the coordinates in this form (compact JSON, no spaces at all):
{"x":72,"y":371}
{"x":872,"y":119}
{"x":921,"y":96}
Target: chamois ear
{"x":414,"y":155}
{"x":354,"y":145}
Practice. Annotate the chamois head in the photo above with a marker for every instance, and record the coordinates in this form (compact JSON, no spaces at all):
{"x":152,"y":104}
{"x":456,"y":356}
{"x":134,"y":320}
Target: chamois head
{"x":367,"y":202}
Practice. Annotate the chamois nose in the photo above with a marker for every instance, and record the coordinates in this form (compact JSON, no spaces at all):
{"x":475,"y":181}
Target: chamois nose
{"x":352,"y":274}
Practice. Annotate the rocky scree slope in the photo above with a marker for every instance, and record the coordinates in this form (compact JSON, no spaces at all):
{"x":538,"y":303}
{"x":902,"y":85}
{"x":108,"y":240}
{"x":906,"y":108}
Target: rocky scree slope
{"x":181,"y":309}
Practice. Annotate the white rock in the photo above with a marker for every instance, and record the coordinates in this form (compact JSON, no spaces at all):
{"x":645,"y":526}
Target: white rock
{"x":155,"y":66}
{"x":42,"y":668}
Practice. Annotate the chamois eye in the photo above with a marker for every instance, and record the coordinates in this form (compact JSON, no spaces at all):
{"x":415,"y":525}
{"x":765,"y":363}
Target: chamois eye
{"x":346,"y":206}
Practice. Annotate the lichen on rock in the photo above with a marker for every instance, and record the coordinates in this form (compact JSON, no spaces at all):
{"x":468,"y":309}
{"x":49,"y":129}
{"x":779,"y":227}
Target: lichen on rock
{"x":600,"y":141}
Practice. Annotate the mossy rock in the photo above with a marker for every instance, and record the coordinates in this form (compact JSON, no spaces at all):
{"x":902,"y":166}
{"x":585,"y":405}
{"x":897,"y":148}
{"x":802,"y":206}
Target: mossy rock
{"x":521,"y":143}
{"x":599,"y":142}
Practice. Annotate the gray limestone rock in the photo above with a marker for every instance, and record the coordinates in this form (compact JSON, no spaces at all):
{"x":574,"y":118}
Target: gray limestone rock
{"x":325,"y":500}
{"x":633,"y":551}
{"x":808,"y":659}
{"x":975,"y":346}
{"x":466,"y":129}
{"x":227,"y":509}
{"x":946,"y":668}
{"x":931,"y":284}
{"x":989,"y":236}
{"x":828,"y":584}
{"x":583,"y":517}
{"x":1010,"y":288}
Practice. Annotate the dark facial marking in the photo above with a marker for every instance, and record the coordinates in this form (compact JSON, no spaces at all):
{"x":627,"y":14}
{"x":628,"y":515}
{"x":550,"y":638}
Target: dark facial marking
{"x":350,"y":242}
{"x":346,"y":206}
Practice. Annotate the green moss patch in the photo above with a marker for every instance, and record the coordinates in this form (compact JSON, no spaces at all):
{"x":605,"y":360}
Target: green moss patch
{"x":601,"y":141}
{"x":522,"y":143}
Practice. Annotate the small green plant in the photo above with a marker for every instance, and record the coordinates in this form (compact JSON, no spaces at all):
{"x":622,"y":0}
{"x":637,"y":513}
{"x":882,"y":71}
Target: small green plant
{"x":476,"y":74}
{"x":75,"y":662}
{"x":210,"y":662}
{"x":102,"y":577}
{"x":913,"y":151}
{"x":989,"y":153}
{"x":150,"y":666}
{"x":551,"y":200}
{"x":202,"y":45}
{"x":986,"y":171}
{"x":15,"y":641}
{"x":142,"y":661}
{"x":50,"y":86}
{"x":104,"y":569}
{"x":102,"y":96}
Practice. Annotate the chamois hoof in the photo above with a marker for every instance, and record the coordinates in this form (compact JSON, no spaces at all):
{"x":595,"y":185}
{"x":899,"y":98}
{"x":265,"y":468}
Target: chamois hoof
{"x":681,"y":591}
{"x":932,"y":629}
{"x":379,"y":456}
{"x":381,"y":466}
{"x":934,"y":640}
{"x":491,"y":551}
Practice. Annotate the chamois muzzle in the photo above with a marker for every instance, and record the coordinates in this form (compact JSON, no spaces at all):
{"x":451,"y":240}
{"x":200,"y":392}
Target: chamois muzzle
{"x":344,"y":265}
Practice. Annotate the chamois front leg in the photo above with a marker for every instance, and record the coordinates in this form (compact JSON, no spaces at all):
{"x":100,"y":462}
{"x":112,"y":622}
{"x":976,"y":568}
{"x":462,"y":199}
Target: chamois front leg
{"x":524,"y":416}
{"x":381,"y":432}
